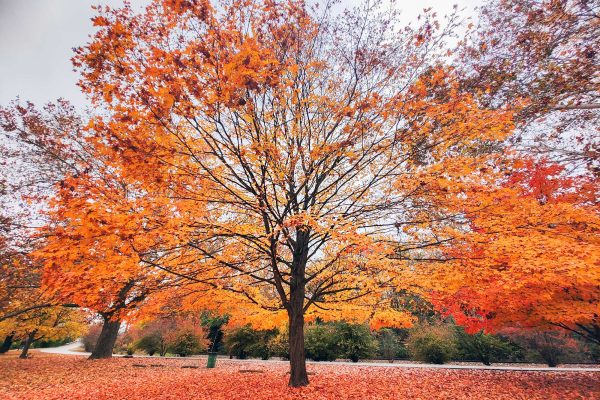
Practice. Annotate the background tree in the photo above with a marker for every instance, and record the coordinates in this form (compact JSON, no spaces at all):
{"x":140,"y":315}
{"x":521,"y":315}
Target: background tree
{"x":99,"y":227}
{"x":46,"y":323}
{"x":90,"y":217}
{"x":551,"y":346}
{"x":545,"y":52}
{"x":526,"y":254}
{"x":39,"y":147}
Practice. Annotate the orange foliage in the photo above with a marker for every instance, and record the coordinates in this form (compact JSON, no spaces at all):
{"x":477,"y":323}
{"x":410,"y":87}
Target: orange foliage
{"x":267,"y":160}
{"x":528,"y":254}
{"x":297,"y":143}
{"x":302,"y":185}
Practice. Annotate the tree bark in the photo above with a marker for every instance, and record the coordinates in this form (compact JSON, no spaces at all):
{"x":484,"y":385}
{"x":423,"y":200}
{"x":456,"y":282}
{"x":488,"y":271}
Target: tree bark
{"x":28,"y":341}
{"x":107,"y":339}
{"x":298,"y":374}
{"x":7,"y":343}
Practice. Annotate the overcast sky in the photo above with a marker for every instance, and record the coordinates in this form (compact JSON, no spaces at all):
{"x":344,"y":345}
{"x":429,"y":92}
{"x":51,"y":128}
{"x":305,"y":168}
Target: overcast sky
{"x":37,"y":37}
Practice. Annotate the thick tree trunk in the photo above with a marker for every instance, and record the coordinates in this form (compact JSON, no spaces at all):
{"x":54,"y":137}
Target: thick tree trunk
{"x":28,"y":342}
{"x":107,"y":339}
{"x":298,"y":374}
{"x":7,"y":343}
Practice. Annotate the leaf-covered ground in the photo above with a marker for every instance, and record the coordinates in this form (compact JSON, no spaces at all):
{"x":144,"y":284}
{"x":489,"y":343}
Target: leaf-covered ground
{"x":51,"y":377}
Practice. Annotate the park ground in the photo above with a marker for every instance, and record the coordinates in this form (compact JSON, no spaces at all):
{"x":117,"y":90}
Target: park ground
{"x":53,"y":377}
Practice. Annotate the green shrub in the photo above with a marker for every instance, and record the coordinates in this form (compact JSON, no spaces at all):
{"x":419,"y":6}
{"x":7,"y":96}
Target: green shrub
{"x":150,"y":343}
{"x":241,"y":342}
{"x":432,"y":344}
{"x":130,"y":349}
{"x":279,"y":345}
{"x":246,"y":342}
{"x":390,"y":346}
{"x":355,"y":341}
{"x":213,"y":324}
{"x":186,"y":343}
{"x":53,"y":342}
{"x":484,"y":348}
{"x":403,"y":353}
{"x":321,"y":342}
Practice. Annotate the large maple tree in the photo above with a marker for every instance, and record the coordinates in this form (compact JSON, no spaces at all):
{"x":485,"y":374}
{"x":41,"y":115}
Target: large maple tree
{"x":307,"y":138}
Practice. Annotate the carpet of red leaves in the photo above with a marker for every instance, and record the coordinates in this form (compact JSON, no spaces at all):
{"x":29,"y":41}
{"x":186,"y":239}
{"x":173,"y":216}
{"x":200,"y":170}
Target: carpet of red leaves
{"x":52,"y":377}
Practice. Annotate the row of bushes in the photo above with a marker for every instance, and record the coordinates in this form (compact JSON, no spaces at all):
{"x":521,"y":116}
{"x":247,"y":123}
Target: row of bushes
{"x":323,"y":342}
{"x":342,"y":340}
{"x":331,"y":341}
{"x":429,"y":343}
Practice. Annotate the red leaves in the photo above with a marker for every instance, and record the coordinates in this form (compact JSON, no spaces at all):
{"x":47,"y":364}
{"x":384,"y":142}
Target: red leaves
{"x":59,"y":377}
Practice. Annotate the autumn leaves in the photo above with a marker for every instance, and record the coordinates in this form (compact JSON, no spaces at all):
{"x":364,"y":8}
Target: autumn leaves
{"x":280,"y":163}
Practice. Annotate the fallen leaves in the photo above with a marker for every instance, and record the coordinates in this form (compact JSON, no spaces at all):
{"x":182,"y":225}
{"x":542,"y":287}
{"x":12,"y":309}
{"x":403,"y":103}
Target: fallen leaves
{"x":67,"y":377}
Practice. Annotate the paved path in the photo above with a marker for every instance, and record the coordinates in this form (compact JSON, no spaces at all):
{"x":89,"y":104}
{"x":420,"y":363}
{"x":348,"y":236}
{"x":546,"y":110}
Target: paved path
{"x":70,"y":349}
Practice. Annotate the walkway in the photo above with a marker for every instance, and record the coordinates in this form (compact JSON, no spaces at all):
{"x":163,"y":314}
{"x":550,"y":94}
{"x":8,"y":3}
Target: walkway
{"x":70,"y":349}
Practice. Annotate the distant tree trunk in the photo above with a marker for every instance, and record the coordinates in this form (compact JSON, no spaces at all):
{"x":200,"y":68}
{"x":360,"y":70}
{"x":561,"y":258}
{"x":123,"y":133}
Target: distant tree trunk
{"x":163,"y":347}
{"x":28,"y":341}
{"x":298,"y":374}
{"x":7,"y":343}
{"x":107,"y":339}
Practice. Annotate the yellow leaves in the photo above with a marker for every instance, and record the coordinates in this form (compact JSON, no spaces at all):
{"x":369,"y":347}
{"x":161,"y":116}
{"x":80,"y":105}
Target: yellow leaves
{"x":391,"y":318}
{"x":49,"y":323}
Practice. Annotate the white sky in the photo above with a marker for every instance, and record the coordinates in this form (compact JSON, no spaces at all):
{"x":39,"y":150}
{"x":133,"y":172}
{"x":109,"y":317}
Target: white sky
{"x":37,"y":37}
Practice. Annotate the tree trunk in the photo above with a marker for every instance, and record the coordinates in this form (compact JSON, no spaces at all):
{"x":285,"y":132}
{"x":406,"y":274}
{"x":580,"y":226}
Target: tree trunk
{"x":107,"y":339}
{"x":7,"y":343}
{"x":298,"y":374}
{"x":28,"y":342}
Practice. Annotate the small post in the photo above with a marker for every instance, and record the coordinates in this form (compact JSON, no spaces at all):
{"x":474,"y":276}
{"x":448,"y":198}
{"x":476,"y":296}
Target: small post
{"x":212,"y":354}
{"x":212,"y":359}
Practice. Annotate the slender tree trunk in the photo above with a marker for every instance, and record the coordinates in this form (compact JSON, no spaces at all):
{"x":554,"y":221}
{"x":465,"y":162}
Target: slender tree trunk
{"x":28,"y":342}
{"x":107,"y":339}
{"x":7,"y":343}
{"x":298,"y":374}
